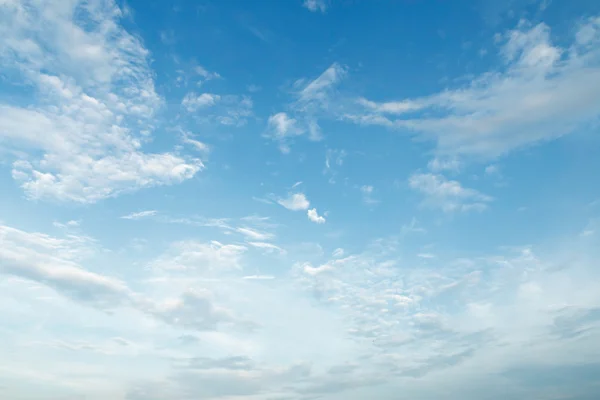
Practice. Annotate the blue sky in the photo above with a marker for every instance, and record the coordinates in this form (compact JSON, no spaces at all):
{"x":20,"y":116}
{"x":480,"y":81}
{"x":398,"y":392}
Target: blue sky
{"x":319,"y":199}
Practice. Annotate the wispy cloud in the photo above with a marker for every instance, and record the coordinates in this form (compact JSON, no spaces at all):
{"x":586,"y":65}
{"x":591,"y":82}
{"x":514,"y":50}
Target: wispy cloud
{"x":315,"y":5}
{"x":140,"y":214}
{"x":228,"y":110}
{"x":446,"y":194}
{"x":367,"y":192}
{"x":281,"y":127}
{"x":268,"y":247}
{"x":312,"y":99}
{"x":254,"y":234}
{"x":543,"y":92}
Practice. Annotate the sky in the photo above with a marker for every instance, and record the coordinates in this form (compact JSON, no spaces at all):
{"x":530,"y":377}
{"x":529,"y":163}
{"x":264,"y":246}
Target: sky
{"x":299,"y":199}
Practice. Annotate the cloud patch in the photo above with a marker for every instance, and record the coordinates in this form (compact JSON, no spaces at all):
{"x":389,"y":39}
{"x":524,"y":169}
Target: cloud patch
{"x":448,"y":195}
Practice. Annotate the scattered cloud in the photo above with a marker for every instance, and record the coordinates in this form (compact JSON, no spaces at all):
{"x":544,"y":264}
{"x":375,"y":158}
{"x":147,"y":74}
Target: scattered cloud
{"x":317,"y":93}
{"x":315,"y":217}
{"x":254,"y":234}
{"x":193,"y":310}
{"x":205,"y":74}
{"x":444,"y":164}
{"x":542,"y":92}
{"x":224,"y":306}
{"x":210,"y":257}
{"x":367,"y":191}
{"x":295,"y":202}
{"x":333,"y":159}
{"x":315,"y":5}
{"x":254,"y":88}
{"x":259,"y":277}
{"x":140,"y":214}
{"x":413,"y":227}
{"x":193,"y":101}
{"x":492,"y":170}
{"x":268,"y":247}
{"x":312,"y":99}
{"x":281,"y":127}
{"x":67,"y":225}
{"x":337,"y":253}
{"x":426,"y":255}
{"x":448,"y":195}
{"x":228,"y":110}
{"x":197,"y":145}
{"x":85,"y":133}
{"x":168,"y":37}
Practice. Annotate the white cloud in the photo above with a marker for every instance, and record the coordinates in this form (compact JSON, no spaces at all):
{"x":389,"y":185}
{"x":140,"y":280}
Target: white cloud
{"x":168,"y":37}
{"x":543,"y":92}
{"x":190,"y":256}
{"x":448,"y":195}
{"x":193,"y":101}
{"x":195,"y":309}
{"x":254,"y":234}
{"x":66,"y":225}
{"x":96,"y":92}
{"x":140,"y":214}
{"x":333,"y":159}
{"x":204,"y":73}
{"x":282,"y":125}
{"x":315,"y":5}
{"x":295,"y":202}
{"x":319,"y":89}
{"x":492,"y":170}
{"x":259,"y":277}
{"x":196,"y":144}
{"x":313,"y":99}
{"x":367,"y":191}
{"x":426,"y":255}
{"x":413,"y":227}
{"x":337,"y":253}
{"x":315,"y":217}
{"x":53,"y":262}
{"x":268,"y":247}
{"x":280,"y":128}
{"x":444,"y":164}
{"x":228,"y":110}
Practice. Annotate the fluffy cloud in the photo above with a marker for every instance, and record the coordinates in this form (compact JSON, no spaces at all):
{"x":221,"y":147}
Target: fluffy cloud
{"x":96,"y":102}
{"x":315,"y":217}
{"x":193,"y":101}
{"x":295,"y":202}
{"x":281,"y":127}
